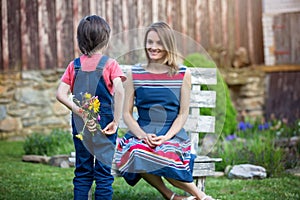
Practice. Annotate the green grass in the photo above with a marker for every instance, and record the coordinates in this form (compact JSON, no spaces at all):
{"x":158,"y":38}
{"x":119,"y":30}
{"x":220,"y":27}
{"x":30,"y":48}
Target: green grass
{"x":20,"y":180}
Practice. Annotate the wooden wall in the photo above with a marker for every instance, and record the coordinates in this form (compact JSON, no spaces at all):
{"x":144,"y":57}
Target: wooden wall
{"x":287,"y":38}
{"x":41,"y":34}
{"x":283,"y":97}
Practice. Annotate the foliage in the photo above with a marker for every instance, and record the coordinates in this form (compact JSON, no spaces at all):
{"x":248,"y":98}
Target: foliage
{"x":225,"y":112}
{"x":283,"y":129}
{"x":280,"y":131}
{"x":258,"y":150}
{"x":198,"y":60}
{"x":37,"y":181}
{"x":255,"y":142}
{"x":121,"y":132}
{"x":57,"y":142}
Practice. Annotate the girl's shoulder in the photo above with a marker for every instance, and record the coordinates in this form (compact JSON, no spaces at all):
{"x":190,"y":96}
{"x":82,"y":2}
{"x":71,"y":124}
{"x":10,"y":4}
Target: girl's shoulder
{"x":182,"y":67}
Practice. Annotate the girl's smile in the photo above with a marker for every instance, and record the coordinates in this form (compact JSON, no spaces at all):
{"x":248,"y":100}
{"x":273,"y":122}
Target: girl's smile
{"x":154,"y":46}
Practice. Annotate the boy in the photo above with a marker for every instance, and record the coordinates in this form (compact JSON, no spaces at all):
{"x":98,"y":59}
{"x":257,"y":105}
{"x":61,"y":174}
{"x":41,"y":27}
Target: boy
{"x":100,"y":76}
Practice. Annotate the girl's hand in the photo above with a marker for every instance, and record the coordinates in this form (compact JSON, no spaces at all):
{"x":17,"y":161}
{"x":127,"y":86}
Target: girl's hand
{"x":111,"y":128}
{"x":150,"y":139}
{"x":159,"y":140}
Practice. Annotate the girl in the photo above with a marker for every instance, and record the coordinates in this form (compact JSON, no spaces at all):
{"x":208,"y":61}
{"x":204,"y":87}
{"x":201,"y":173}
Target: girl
{"x":156,"y":144}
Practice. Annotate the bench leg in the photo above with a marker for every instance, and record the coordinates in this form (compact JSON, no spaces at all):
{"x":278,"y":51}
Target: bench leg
{"x":200,"y":183}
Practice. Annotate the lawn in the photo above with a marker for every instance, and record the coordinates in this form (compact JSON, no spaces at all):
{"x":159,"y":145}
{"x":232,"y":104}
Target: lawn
{"x":20,"y":180}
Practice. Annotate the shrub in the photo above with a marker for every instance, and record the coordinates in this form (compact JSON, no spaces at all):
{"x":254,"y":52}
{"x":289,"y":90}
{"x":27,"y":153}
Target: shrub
{"x":258,"y":150}
{"x":280,"y":132}
{"x":255,"y":142}
{"x":57,"y":142}
{"x":226,"y":115}
{"x":263,"y":152}
{"x":198,"y":60}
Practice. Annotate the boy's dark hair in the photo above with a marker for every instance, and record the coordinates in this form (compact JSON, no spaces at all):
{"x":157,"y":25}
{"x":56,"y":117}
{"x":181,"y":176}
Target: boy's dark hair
{"x":92,"y":34}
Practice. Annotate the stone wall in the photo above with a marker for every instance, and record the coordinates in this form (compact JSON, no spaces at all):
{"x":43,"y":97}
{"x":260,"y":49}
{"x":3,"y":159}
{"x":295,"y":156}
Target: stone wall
{"x":28,"y":103}
{"x":248,"y":89}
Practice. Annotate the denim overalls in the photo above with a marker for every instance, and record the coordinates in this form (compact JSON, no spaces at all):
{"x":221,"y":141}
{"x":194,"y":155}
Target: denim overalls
{"x":98,"y":145}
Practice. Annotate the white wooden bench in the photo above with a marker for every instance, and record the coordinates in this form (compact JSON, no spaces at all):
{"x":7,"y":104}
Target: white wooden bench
{"x":204,"y":166}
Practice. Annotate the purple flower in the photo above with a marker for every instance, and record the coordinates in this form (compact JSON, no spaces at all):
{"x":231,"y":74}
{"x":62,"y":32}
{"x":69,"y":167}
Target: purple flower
{"x":231,"y":137}
{"x":244,"y":126}
{"x":263,"y":126}
{"x":249,"y":126}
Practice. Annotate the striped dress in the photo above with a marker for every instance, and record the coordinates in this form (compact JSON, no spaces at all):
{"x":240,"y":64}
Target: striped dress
{"x":157,"y":99}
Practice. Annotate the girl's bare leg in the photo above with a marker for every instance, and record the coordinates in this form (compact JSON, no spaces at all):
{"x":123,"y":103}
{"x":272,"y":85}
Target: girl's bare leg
{"x":190,"y":188}
{"x":157,"y":182}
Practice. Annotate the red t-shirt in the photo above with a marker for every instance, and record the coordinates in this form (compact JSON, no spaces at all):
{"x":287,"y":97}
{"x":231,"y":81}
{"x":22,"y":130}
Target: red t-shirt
{"x":111,"y":70}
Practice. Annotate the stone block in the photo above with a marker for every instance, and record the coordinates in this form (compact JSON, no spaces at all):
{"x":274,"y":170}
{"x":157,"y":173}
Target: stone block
{"x":36,"y":159}
{"x":10,"y":124}
{"x":60,"y":161}
{"x":2,"y":112}
{"x":247,"y":171}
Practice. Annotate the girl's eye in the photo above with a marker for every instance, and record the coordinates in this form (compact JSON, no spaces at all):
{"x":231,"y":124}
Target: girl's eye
{"x":149,"y":41}
{"x":159,"y":43}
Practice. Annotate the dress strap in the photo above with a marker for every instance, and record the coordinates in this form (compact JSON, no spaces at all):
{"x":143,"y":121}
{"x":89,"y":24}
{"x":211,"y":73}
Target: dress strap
{"x":77,"y":65}
{"x":102,"y":62}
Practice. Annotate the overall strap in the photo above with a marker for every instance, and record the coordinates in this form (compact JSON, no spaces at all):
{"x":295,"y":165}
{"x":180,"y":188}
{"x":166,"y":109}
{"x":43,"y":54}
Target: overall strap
{"x":102,"y":62}
{"x":77,"y":65}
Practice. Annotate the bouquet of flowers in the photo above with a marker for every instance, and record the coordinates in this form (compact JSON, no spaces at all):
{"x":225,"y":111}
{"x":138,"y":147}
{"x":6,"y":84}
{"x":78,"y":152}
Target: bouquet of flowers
{"x":89,"y":107}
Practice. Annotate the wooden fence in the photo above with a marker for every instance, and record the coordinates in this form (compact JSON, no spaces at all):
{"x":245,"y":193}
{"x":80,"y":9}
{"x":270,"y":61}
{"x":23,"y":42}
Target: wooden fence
{"x":41,"y":34}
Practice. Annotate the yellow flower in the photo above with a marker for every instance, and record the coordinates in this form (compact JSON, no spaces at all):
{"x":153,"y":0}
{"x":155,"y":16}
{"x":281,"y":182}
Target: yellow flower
{"x":91,"y":106}
{"x":96,"y":105}
{"x":79,"y":136}
{"x":87,"y":95}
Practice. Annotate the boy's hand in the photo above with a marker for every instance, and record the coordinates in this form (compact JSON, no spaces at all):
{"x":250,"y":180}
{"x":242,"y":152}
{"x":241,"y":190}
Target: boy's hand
{"x":111,"y":128}
{"x":91,"y":125}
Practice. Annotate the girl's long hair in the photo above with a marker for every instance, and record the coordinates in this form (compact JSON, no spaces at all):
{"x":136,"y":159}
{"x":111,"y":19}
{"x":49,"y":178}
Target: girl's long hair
{"x":166,"y":35}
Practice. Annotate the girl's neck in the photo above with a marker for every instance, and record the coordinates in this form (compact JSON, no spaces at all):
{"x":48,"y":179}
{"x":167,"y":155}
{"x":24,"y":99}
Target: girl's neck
{"x":157,"y":67}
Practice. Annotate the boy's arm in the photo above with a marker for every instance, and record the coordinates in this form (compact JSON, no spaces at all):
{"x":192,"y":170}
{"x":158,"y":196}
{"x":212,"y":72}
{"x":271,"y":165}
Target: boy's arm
{"x":62,"y":95}
{"x":118,"y":106}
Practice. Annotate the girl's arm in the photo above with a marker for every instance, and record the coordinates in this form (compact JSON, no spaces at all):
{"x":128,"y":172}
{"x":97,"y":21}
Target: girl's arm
{"x":128,"y":118}
{"x":118,"y":99}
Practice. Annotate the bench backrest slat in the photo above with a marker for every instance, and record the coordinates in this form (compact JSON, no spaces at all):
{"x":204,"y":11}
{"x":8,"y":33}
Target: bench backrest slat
{"x":203,"y":99}
{"x":206,"y":76}
{"x":203,"y":124}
